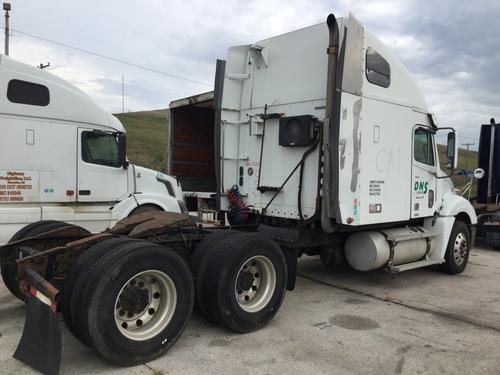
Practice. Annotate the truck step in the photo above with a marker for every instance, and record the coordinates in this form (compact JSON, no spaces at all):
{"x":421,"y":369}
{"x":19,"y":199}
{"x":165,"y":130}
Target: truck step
{"x":411,"y":266}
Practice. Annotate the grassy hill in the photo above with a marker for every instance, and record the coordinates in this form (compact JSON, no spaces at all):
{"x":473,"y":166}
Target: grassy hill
{"x":147,"y":143}
{"x":147,"y":138}
{"x":466,"y":160}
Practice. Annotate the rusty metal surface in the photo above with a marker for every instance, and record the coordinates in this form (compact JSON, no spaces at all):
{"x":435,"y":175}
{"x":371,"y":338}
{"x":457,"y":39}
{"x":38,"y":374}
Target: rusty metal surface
{"x":150,"y":221}
{"x":32,"y":278}
{"x":68,"y":246}
{"x":9,"y":251}
{"x":65,"y":232}
{"x":483,"y":207}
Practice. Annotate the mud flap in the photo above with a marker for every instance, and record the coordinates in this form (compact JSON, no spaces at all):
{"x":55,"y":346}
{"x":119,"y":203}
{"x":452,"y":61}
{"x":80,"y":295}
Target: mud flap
{"x":40,"y":345}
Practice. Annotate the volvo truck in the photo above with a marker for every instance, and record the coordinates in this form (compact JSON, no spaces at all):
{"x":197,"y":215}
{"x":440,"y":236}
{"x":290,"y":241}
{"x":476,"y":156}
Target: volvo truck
{"x":62,"y":157}
{"x":316,"y":142}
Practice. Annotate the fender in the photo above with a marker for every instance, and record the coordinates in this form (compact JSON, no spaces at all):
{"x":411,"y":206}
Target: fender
{"x":125,"y":207}
{"x":454,"y":204}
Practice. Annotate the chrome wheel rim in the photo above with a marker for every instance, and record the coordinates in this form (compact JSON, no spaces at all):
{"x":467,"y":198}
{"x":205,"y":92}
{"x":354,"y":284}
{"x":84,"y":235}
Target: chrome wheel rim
{"x":460,"y":249}
{"x":145,"y":305}
{"x":255,"y":283}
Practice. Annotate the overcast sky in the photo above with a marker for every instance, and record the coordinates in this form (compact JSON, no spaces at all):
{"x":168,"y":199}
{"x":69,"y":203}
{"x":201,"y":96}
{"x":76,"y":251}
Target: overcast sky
{"x":451,"y":47}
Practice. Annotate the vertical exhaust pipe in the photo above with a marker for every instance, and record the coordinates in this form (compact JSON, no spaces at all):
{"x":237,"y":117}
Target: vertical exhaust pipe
{"x":333,"y":53}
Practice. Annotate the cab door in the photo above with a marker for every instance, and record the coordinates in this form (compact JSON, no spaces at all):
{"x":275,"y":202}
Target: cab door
{"x":424,"y":170}
{"x":101,"y":176}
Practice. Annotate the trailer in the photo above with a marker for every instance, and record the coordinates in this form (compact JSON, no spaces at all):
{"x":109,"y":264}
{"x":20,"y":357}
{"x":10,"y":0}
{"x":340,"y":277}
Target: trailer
{"x":487,"y":202}
{"x":324,"y":154}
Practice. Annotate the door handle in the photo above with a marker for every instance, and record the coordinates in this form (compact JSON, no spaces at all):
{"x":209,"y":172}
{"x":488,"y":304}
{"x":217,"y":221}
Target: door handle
{"x":83,"y":192}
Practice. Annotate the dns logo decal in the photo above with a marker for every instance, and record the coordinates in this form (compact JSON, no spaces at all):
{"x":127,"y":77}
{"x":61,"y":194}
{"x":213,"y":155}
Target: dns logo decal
{"x":421,"y":186}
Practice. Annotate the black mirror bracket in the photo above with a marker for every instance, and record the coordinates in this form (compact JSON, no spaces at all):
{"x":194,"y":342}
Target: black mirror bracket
{"x":453,"y":161}
{"x":122,"y":149}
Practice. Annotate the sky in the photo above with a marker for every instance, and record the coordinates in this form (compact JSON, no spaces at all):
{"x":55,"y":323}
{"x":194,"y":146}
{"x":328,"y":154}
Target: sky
{"x":452,"y":48}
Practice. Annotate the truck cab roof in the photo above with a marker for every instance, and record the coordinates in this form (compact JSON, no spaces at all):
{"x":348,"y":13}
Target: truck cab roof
{"x":36,"y":93}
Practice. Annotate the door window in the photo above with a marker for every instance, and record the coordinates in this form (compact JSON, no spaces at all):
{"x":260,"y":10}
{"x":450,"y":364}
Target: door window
{"x":100,"y":148}
{"x":423,"y":150}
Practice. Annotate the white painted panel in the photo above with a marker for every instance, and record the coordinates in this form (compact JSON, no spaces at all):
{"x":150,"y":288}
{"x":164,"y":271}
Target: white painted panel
{"x":67,"y":102}
{"x":94,"y":218}
{"x":13,"y":219}
{"x":296,"y":69}
{"x":52,"y":157}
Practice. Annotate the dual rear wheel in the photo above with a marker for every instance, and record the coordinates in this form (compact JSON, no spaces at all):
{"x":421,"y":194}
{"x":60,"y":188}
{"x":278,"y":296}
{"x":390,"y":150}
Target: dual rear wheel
{"x":241,"y":279}
{"x":130,"y":300}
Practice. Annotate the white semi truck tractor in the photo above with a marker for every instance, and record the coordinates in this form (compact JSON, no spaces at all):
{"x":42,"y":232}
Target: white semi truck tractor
{"x":314,"y":142}
{"x":334,"y":152}
{"x":62,"y":157}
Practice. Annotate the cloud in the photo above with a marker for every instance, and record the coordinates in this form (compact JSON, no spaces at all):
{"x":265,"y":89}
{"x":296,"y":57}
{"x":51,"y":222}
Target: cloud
{"x":451,"y":47}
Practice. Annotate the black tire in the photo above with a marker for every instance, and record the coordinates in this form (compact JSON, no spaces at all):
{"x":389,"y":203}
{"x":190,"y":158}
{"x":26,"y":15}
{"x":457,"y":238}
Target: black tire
{"x":85,"y":282}
{"x":144,"y":208}
{"x":458,"y":249}
{"x":197,"y":261}
{"x":104,"y":284}
{"x":9,"y":271}
{"x":205,"y":246}
{"x":77,"y":277}
{"x":219,"y":283}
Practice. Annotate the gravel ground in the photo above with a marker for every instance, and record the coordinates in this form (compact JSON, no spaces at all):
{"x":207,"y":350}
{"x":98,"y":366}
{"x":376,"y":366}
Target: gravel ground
{"x":334,"y":322}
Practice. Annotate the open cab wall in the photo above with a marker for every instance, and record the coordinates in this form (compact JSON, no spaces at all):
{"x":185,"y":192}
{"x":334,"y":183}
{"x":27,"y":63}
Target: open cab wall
{"x":191,"y":150}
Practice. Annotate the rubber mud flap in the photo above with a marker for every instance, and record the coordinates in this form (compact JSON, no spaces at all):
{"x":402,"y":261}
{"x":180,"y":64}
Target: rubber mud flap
{"x":40,"y":345}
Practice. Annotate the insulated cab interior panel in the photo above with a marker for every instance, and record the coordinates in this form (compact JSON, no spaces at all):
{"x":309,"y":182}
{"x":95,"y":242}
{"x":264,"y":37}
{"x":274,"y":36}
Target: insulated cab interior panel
{"x":192,"y":142}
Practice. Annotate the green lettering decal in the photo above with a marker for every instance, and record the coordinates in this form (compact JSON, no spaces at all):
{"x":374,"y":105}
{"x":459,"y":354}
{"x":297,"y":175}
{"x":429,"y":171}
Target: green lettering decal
{"x":421,"y":186}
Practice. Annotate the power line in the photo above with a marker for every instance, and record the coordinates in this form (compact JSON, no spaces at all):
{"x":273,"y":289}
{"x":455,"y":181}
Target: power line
{"x":110,"y":58}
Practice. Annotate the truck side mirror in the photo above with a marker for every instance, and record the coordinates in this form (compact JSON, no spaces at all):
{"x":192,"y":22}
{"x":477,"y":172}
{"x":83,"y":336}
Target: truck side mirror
{"x":478,"y":173}
{"x":452,"y":150}
{"x":122,"y":149}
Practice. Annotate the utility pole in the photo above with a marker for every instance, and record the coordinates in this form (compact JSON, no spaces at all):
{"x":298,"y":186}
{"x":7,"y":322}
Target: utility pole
{"x":123,"y":94}
{"x":6,"y":7}
{"x":467,"y":156}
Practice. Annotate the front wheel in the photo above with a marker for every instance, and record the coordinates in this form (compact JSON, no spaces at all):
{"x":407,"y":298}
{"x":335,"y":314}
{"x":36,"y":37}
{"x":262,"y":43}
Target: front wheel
{"x":457,"y":252}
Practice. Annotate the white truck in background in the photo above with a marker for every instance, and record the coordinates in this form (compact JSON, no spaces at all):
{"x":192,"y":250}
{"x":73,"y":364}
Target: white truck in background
{"x":62,"y":157}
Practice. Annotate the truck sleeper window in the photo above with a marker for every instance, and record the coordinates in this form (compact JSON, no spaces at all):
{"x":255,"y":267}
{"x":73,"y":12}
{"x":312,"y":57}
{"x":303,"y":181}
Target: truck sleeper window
{"x":24,"y":92}
{"x":100,"y":148}
{"x":422,"y":147}
{"x":378,"y":70}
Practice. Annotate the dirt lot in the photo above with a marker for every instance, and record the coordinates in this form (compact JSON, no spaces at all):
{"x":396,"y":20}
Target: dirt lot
{"x":340,"y":322}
